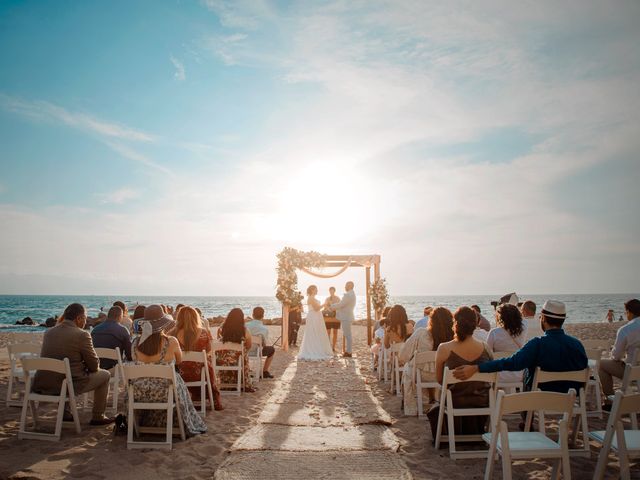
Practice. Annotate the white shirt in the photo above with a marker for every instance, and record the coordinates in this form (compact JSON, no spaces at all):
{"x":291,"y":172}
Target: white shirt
{"x":627,"y":340}
{"x":480,"y":334}
{"x":533,"y":327}
{"x":499,"y":340}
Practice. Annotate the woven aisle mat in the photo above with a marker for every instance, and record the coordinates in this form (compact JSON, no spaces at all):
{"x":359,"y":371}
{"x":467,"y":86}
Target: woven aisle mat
{"x":374,"y":465}
{"x":307,"y":439}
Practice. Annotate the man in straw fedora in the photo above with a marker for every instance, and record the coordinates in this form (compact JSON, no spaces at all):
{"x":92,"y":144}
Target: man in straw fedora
{"x":555,"y":351}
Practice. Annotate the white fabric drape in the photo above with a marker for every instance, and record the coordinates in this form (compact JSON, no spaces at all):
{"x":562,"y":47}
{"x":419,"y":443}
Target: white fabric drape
{"x":328,"y":275}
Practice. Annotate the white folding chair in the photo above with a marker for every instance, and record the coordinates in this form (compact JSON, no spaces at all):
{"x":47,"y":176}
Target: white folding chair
{"x":595,"y":355}
{"x":626,"y":443}
{"x":579,"y":410}
{"x":117,"y":377}
{"x":508,"y":386}
{"x":255,"y":357}
{"x":424,"y":362}
{"x":16,"y":352}
{"x":396,"y":373}
{"x":26,"y":337}
{"x":446,"y":406}
{"x":238,"y":368}
{"x":205,"y":379}
{"x":383,"y":364}
{"x":31,"y":400}
{"x":517,"y":445}
{"x":133,"y":372}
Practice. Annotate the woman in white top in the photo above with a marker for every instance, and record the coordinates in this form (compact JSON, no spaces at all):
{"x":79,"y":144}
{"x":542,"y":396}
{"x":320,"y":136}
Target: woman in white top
{"x":509,"y":336}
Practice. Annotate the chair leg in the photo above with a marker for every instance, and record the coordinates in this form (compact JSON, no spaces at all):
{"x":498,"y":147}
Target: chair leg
{"x":132,"y":418}
{"x":603,"y":456}
{"x":491,"y":457}
{"x":440,"y":419}
{"x":180,"y":421}
{"x":60,"y":413}
{"x":506,"y":453}
{"x":451,"y":427}
{"x":622,"y":452}
{"x":170,"y":405}
{"x":555,"y":472}
{"x":10,"y":389}
{"x":566,"y":466}
{"x":73,"y":406}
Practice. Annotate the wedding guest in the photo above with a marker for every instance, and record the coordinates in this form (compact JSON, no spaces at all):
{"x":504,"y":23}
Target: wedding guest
{"x":483,"y":323}
{"x":258,"y":329}
{"x":331,"y":323}
{"x":422,"y":323}
{"x":126,"y":320}
{"x":532,"y":324}
{"x":68,"y":339}
{"x":138,"y":314}
{"x":154,"y":346}
{"x":509,"y":335}
{"x":396,"y":326}
{"x":383,"y":318}
{"x":233,"y":330}
{"x":193,"y":338}
{"x":439,"y":330}
{"x":111,"y":334}
{"x":295,"y":319}
{"x":626,"y":346}
{"x":555,"y":351}
{"x":464,"y":349}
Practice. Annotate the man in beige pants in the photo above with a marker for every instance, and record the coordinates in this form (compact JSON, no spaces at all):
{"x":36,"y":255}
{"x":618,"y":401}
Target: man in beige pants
{"x":627,"y":342}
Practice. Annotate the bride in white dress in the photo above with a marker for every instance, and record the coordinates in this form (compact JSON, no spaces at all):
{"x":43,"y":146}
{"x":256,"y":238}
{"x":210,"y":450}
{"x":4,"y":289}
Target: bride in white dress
{"x":315,"y":343}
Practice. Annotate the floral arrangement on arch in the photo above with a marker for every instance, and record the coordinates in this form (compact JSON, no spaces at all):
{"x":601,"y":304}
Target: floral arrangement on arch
{"x":289,"y":261}
{"x":379,"y":294}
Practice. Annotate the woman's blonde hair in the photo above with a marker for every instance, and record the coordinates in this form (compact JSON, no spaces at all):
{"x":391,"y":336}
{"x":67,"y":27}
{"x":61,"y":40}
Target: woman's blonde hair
{"x":188,"y":322}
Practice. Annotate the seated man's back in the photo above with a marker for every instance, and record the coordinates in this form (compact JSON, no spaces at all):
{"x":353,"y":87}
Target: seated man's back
{"x":111,"y":334}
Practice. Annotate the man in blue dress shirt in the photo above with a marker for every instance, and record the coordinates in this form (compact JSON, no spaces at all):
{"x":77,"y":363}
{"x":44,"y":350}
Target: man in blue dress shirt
{"x":555,"y":351}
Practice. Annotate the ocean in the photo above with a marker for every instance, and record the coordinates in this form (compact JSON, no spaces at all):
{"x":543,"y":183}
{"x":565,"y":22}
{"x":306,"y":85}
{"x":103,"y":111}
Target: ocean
{"x":580,"y":308}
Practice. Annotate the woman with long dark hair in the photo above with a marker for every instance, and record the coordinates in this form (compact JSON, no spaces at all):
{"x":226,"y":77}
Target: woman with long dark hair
{"x":396,"y":329}
{"x":233,"y":330}
{"x":510,"y":335}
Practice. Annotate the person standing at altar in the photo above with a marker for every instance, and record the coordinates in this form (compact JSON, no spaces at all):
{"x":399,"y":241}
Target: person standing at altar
{"x":295,"y":319}
{"x":345,"y":313}
{"x":330,"y":320}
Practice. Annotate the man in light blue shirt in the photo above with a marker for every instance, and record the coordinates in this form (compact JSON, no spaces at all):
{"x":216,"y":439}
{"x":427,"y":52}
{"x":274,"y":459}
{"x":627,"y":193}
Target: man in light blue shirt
{"x":258,"y":329}
{"x":627,"y":343}
{"x":424,"y":321}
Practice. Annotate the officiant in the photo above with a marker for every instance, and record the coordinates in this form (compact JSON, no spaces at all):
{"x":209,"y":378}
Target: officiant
{"x":330,"y":320}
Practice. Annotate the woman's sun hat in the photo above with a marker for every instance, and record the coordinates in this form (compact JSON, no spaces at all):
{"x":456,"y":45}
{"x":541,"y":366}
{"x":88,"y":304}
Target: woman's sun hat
{"x":554,"y":309}
{"x":154,"y":321}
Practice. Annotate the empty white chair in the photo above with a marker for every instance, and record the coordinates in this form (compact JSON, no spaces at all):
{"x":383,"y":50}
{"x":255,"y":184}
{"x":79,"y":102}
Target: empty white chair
{"x":516,"y":445}
{"x":424,"y":362}
{"x":626,"y":443}
{"x":595,"y":355}
{"x":396,"y":372}
{"x":383,"y":364}
{"x":446,"y":406}
{"x":579,"y":410}
{"x":238,"y":367}
{"x":255,"y":357}
{"x":117,"y":377}
{"x":133,"y":372}
{"x":31,"y":400}
{"x":205,"y":378}
{"x":16,"y":352}
{"x":26,"y":337}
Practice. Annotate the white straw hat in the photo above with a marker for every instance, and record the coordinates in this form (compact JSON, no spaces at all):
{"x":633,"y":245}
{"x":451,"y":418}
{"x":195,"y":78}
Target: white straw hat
{"x":554,"y":309}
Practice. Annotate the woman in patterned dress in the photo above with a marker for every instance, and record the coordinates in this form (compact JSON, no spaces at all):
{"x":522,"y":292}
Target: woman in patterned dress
{"x":155,"y":347}
{"x":193,"y":338}
{"x":234,"y":331}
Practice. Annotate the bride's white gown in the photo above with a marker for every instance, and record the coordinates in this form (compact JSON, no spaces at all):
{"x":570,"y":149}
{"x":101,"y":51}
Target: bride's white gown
{"x":315,"y":343}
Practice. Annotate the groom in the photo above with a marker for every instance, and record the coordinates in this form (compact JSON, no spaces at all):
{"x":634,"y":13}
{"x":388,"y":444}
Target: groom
{"x":344,"y":312}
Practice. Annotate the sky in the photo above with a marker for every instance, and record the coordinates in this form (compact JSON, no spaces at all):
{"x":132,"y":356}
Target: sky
{"x":175,"y":147}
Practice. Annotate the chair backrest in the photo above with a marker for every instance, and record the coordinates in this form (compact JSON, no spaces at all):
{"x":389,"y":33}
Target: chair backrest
{"x":624,"y":405}
{"x":15,"y":350}
{"x":109,"y":353}
{"x":46,"y":364}
{"x":449,"y":379}
{"x":396,"y":347}
{"x":499,"y":355}
{"x":542,"y":376}
{"x":26,"y":337}
{"x":193,"y":356}
{"x":151,"y":370}
{"x":236,"y":347}
{"x":631,"y":374}
{"x":425,"y":357}
{"x":536,"y":401}
{"x":256,"y":341}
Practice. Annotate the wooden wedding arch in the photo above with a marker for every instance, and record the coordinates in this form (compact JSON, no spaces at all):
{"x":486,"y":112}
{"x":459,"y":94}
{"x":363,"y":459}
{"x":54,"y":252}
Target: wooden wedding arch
{"x":342,"y":263}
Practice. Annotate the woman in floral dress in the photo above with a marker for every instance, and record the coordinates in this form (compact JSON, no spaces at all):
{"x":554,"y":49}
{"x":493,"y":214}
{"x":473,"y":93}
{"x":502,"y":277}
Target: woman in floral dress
{"x":194,"y":338}
{"x":155,"y":347}
{"x":234,"y":331}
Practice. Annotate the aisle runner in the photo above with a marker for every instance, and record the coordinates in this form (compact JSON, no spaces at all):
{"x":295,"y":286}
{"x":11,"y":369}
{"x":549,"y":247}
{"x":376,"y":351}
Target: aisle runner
{"x":321,"y":421}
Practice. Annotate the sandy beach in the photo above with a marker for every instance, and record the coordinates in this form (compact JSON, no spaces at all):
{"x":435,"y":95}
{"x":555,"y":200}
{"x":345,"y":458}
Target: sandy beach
{"x":96,"y":453}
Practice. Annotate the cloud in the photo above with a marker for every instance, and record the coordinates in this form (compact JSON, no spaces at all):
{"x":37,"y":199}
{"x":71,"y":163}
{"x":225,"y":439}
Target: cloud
{"x":48,"y":111}
{"x":179,"y":66}
{"x":243,"y":14}
{"x":119,"y":196}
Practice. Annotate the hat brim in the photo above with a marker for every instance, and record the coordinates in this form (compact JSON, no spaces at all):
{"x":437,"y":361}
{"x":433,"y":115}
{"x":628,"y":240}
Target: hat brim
{"x":559,"y":316}
{"x":160,"y":324}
